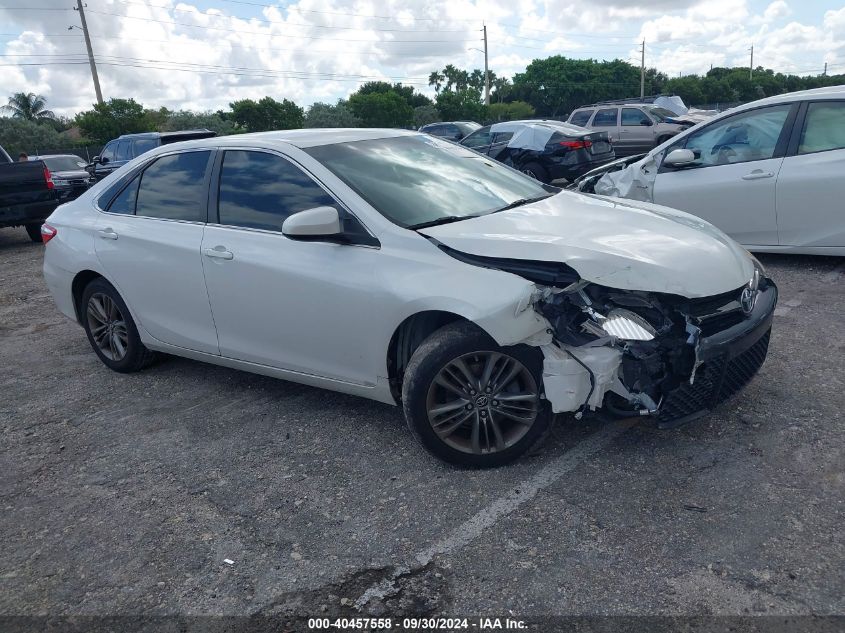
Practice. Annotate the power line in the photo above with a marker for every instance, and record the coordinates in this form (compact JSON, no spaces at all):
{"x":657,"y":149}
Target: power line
{"x":306,"y":37}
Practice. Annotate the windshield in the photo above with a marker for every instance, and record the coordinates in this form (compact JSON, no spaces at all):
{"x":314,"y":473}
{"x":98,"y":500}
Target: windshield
{"x":661,"y":114}
{"x":419,"y":179}
{"x":64,"y":163}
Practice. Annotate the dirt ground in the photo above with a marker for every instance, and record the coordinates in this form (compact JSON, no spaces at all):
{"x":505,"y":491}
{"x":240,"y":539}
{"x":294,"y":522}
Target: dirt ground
{"x":128,"y":494}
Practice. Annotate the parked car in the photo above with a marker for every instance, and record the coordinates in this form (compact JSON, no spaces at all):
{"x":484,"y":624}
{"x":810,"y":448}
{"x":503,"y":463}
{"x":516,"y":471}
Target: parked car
{"x":27,"y":194}
{"x":120,"y":151}
{"x":69,"y":175}
{"x":544,"y":150}
{"x":407,"y":269}
{"x":633,"y":128}
{"x":451,"y":130}
{"x":768,"y":173}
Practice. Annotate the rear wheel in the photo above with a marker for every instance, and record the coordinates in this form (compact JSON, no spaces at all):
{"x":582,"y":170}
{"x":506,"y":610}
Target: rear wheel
{"x":111,"y":330}
{"x":34,"y":231}
{"x":473,"y":403}
{"x":536,"y":171}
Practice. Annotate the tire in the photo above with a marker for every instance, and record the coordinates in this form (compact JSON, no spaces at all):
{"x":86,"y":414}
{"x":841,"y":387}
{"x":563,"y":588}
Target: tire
{"x":34,"y":231}
{"x":479,"y":416}
{"x":120,"y":348}
{"x":536,"y":171}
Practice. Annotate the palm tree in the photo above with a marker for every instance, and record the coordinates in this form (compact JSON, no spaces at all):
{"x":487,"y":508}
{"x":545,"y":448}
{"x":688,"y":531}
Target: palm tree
{"x":436,"y":79}
{"x":29,"y":106}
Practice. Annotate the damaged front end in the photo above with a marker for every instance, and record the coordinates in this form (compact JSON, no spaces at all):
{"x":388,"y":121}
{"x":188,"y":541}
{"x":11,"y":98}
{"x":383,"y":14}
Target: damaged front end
{"x":635,"y":353}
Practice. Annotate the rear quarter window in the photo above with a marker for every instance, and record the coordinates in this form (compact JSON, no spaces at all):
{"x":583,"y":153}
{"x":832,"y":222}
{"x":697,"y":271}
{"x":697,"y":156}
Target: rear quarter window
{"x":580,"y":117}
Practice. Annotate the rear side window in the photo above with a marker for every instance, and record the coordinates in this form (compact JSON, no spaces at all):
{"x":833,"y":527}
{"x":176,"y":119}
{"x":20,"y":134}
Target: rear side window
{"x":174,"y":188}
{"x":824,"y":128}
{"x":124,"y":203}
{"x":143,"y":145}
{"x":580,"y":118}
{"x":260,"y":190}
{"x":605,"y":118}
{"x":502,"y":137}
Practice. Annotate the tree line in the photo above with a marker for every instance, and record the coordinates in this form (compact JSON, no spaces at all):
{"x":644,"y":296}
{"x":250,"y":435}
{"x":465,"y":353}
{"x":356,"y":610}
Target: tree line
{"x":550,"y":87}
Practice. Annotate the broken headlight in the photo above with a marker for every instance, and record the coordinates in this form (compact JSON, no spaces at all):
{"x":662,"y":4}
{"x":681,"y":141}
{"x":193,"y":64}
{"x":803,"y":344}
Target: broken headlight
{"x":627,"y":325}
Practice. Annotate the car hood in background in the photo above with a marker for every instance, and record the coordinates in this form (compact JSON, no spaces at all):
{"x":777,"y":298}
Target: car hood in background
{"x":71,"y":175}
{"x":626,"y":245}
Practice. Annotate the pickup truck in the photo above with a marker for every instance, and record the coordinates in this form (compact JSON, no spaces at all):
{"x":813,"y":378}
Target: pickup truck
{"x":27,"y":194}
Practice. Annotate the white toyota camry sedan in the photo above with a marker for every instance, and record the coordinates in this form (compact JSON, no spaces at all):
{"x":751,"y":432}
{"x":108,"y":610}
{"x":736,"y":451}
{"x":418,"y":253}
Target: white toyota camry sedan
{"x":403,"y":268}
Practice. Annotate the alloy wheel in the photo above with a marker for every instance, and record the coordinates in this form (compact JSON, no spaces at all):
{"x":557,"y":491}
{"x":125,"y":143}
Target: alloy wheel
{"x":107,"y":326}
{"x":482,"y":402}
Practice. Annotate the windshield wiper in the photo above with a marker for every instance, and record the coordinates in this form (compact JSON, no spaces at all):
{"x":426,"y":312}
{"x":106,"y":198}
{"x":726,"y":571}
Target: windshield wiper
{"x":521,"y":201}
{"x":444,"y":220}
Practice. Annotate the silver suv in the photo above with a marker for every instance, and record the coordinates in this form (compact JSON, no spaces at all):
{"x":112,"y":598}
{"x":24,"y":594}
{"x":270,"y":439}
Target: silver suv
{"x":634,"y":128}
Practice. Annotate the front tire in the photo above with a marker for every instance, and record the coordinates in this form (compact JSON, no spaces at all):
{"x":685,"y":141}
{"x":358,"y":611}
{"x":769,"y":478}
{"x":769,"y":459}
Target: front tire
{"x":34,"y":231}
{"x":473,"y":403}
{"x":111,"y":330}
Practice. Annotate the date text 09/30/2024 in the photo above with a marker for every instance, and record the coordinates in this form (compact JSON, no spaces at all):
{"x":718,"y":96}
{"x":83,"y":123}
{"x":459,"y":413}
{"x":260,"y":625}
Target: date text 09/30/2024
{"x":415,"y":624}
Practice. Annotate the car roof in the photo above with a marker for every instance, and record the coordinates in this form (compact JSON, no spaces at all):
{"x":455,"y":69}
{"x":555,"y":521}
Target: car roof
{"x":836,"y":92}
{"x":43,"y":156}
{"x":311,"y":137}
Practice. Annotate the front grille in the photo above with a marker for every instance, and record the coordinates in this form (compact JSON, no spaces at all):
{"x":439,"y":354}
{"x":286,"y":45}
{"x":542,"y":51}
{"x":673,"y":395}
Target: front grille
{"x":715,"y":382}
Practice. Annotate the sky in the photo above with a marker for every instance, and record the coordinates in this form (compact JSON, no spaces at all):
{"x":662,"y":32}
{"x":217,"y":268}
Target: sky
{"x":204,"y":54}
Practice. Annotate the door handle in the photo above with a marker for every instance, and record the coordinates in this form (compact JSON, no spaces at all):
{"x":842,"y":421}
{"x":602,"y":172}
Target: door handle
{"x":219,"y":253}
{"x":758,"y":174}
{"x":107,"y":234}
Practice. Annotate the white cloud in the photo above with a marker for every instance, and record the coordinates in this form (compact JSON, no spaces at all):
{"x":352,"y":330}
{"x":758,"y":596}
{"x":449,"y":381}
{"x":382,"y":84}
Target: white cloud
{"x":166,"y":53}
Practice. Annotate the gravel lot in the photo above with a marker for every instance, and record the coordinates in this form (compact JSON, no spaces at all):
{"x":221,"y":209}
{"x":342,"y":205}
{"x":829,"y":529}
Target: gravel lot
{"x":125,"y":494}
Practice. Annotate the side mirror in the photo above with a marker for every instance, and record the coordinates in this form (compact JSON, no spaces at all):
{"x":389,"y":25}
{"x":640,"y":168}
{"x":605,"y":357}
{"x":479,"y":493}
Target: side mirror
{"x":679,"y":158}
{"x":104,"y":160}
{"x":96,"y":159}
{"x":319,"y":222}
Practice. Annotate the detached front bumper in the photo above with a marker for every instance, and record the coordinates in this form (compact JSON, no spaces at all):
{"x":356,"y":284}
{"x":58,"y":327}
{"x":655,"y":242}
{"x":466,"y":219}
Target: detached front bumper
{"x":729,"y":360}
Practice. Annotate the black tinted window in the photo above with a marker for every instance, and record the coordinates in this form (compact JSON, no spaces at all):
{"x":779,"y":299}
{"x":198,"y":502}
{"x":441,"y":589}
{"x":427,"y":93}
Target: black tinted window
{"x":260,"y":190}
{"x":479,"y":138}
{"x":144,"y":145}
{"x":605,"y":118}
{"x":173,"y":187}
{"x":125,"y":201}
{"x":634,"y":116}
{"x":108,"y":151}
{"x":123,"y":150}
{"x":581,"y":117}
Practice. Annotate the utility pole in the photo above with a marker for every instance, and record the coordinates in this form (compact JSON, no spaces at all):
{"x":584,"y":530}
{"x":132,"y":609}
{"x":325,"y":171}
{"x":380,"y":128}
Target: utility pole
{"x":751,"y":65}
{"x":642,"y":72}
{"x":80,"y":8}
{"x":824,"y":74}
{"x":486,"y":71}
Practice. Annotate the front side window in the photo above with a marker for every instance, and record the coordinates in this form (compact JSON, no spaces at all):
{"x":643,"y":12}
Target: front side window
{"x":418,"y":179}
{"x":824,"y":128}
{"x":741,"y":138}
{"x":605,"y":118}
{"x":108,"y":151}
{"x":502,"y":137}
{"x":260,"y":190}
{"x":580,"y":118}
{"x":634,"y":116}
{"x":479,"y":138}
{"x":173,"y":187}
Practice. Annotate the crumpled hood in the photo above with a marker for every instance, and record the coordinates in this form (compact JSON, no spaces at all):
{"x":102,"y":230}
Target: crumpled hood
{"x":620,"y":244}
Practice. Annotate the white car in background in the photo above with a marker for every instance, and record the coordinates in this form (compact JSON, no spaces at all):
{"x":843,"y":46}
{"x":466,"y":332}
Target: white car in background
{"x":770,"y":174}
{"x":407,"y":269}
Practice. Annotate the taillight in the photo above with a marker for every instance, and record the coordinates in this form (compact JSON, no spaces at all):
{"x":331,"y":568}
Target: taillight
{"x":47,"y":233}
{"x":576,"y":144}
{"x":48,"y":177}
